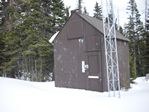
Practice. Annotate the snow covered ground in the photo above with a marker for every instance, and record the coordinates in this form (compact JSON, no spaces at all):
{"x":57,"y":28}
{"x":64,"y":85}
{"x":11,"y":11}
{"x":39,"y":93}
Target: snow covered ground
{"x":24,"y":96}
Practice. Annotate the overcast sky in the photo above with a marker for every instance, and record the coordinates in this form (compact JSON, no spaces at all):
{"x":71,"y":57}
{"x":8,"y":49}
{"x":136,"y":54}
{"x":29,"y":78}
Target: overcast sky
{"x":120,"y":5}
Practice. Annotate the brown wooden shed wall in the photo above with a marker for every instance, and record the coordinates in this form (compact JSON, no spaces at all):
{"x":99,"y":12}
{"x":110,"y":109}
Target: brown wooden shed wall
{"x":79,"y":41}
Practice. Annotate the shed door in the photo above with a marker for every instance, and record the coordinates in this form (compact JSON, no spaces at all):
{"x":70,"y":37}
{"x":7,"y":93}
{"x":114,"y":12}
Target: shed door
{"x":94,"y":78}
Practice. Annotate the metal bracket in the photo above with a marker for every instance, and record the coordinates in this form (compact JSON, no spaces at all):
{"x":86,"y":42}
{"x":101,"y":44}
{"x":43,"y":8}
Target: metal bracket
{"x":84,"y":67}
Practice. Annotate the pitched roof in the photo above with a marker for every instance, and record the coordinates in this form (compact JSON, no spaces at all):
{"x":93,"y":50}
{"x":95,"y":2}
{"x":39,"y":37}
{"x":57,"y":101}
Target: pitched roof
{"x":98,"y":24}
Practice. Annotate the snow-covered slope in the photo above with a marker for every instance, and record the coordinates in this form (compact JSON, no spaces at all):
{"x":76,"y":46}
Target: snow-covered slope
{"x":24,"y":96}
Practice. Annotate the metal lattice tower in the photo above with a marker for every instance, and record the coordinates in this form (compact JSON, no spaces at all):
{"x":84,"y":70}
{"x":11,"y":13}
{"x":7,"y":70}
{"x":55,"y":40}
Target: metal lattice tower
{"x":112,"y":67}
{"x":147,"y":15}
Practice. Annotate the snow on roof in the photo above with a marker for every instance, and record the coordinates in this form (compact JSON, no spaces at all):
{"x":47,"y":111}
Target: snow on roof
{"x":53,"y":37}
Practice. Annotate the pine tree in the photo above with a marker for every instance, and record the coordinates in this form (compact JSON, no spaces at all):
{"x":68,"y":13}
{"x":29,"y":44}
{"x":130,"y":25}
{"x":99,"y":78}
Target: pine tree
{"x":67,"y":13}
{"x":51,"y":18}
{"x":2,"y":56}
{"x":140,"y":31}
{"x":58,"y":14}
{"x":121,"y":30}
{"x":2,"y":43}
{"x":7,"y":33}
{"x":134,"y":31}
{"x":130,"y":33}
{"x":98,"y":11}
{"x":1,"y":15}
{"x":80,"y":6}
{"x":85,"y":11}
{"x":146,"y":50}
{"x":29,"y":26}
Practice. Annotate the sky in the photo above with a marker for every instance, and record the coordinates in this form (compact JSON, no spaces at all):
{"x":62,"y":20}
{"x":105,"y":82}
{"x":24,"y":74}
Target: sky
{"x":120,"y":7}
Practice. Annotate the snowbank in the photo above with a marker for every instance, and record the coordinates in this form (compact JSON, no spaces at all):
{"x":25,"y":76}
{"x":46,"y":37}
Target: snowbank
{"x":24,"y":96}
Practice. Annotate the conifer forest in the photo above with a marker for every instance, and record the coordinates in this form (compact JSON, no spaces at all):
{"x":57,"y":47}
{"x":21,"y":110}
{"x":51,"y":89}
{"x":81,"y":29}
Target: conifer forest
{"x":27,"y":25}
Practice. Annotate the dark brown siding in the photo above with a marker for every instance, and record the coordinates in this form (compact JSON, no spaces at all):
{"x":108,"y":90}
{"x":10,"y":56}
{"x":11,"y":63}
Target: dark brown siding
{"x":70,"y":49}
{"x":80,"y":42}
{"x":123,"y":55}
{"x":93,"y":54}
{"x":75,"y":27}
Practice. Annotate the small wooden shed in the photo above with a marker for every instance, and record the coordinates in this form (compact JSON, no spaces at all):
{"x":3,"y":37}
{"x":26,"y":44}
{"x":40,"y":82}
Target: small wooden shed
{"x":79,"y":55}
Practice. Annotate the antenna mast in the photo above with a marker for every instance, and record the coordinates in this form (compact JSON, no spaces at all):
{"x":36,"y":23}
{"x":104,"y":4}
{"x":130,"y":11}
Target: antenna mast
{"x":112,"y":67}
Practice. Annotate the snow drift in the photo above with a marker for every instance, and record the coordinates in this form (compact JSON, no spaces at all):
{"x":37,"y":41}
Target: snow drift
{"x":24,"y":96}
